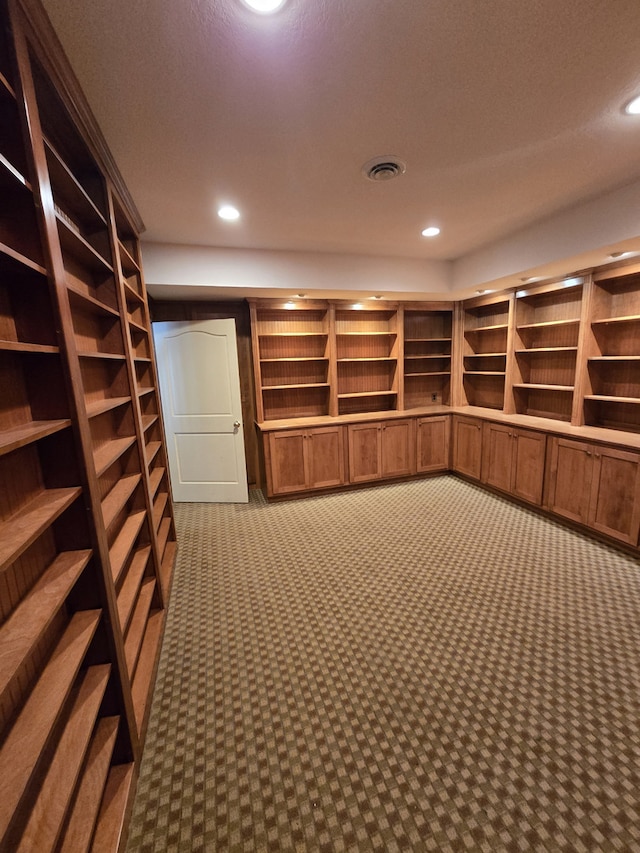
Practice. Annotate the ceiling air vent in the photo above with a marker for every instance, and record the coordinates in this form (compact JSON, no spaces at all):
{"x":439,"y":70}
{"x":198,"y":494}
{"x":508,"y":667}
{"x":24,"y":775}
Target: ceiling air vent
{"x":383,"y":168}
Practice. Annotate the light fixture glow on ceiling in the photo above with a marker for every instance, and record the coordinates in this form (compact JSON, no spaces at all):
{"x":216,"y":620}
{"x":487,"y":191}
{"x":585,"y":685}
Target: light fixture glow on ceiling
{"x":228,"y":213}
{"x":633,"y":107}
{"x":432,"y":231}
{"x":264,"y":7}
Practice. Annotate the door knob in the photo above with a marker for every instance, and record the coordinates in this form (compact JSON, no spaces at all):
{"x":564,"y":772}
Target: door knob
{"x":236,"y":425}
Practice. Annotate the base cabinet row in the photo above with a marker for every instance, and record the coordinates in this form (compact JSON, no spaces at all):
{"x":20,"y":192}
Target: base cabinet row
{"x":591,"y":484}
{"x":327,"y":457}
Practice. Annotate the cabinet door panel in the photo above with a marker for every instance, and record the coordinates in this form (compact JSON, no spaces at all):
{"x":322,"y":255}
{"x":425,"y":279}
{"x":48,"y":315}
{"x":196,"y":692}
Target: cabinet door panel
{"x":497,"y":456}
{"x":365,"y":452}
{"x":571,"y":470}
{"x":467,"y":447}
{"x":288,"y":461}
{"x":528,"y":467}
{"x":398,"y":450}
{"x":615,"y":494}
{"x":326,"y":457}
{"x":433,"y":444}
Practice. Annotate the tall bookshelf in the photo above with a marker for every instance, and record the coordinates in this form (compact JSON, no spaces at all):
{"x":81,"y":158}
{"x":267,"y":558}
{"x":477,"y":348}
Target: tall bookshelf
{"x":547,"y":327}
{"x":428,"y":337}
{"x":486,"y":344}
{"x":612,"y":385}
{"x":87,"y":539}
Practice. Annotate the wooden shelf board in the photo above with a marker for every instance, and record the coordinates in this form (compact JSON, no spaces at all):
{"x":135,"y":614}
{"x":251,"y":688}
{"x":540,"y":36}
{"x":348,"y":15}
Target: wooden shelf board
{"x":543,"y":350}
{"x":130,"y":264}
{"x":12,"y":175}
{"x":547,"y":323}
{"x":102,"y":406}
{"x":61,"y":174}
{"x":151,"y":451}
{"x":22,"y":346}
{"x":609,"y":398}
{"x":166,"y":567}
{"x":137,"y":327}
{"x":142,"y":359}
{"x":484,"y":373}
{"x":538,"y":386}
{"x":429,"y":373}
{"x":22,"y":528}
{"x":131,"y":293}
{"x":50,"y":808}
{"x":296,"y":387}
{"x":374,"y":358}
{"x":614,"y":358}
{"x":485,"y":355}
{"x":426,"y":340}
{"x":148,"y":421}
{"x":124,"y":542}
{"x":158,"y":508}
{"x":368,"y":394}
{"x":293,"y":334}
{"x":89,"y":300}
{"x":492,"y":328}
{"x":19,"y":436}
{"x":366,"y":334}
{"x":21,"y":259}
{"x":107,"y":454}
{"x":155,"y":478}
{"x":437,"y":356}
{"x":146,"y":668}
{"x":21,"y":752}
{"x":77,"y":834}
{"x":131,"y":585}
{"x":163,"y":535}
{"x":144,"y":390}
{"x":628,"y":318}
{"x":110,"y":823}
{"x":138,"y":624}
{"x":116,"y":356}
{"x":5,"y":84}
{"x":75,"y":244}
{"x":279,"y":360}
{"x":117,"y":498}
{"x":23,"y":629}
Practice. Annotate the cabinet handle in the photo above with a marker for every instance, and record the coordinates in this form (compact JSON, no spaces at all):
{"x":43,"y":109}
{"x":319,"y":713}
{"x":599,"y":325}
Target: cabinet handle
{"x":588,"y":453}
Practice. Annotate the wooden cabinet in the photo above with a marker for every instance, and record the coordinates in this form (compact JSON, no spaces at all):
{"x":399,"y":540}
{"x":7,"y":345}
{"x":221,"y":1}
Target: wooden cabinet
{"x":381,"y":450}
{"x":596,"y":485}
{"x":432,"y":443}
{"x":87,"y":541}
{"x":467,"y":446}
{"x":513,"y":460}
{"x":300,"y":460}
{"x":428,"y":336}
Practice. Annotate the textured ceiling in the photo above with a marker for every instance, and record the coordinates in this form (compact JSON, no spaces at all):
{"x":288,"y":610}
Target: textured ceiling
{"x":503,"y":111}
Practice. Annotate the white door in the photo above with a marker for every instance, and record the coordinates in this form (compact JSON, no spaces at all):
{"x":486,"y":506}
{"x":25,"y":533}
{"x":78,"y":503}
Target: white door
{"x":200,"y":390}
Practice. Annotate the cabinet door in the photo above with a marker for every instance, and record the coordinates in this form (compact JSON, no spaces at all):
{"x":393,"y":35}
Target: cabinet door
{"x":467,"y":446}
{"x":615,"y":494}
{"x":288,"y":461}
{"x":571,"y":476}
{"x":528,"y":465}
{"x":432,"y":438}
{"x":497,"y":456}
{"x":325,"y":452}
{"x":365,"y":452}
{"x":398,"y":448}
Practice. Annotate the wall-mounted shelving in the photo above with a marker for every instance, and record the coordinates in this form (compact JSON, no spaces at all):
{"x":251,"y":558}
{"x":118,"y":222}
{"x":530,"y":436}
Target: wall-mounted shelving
{"x":428,"y":336}
{"x":486,"y":325}
{"x":87,"y":540}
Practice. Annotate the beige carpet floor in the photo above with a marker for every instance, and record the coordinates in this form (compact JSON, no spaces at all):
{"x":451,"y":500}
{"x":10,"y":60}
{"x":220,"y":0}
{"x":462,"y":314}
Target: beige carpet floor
{"x":414,"y":667}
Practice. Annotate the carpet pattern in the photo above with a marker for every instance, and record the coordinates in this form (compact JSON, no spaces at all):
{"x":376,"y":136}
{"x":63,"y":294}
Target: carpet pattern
{"x":413,"y":667}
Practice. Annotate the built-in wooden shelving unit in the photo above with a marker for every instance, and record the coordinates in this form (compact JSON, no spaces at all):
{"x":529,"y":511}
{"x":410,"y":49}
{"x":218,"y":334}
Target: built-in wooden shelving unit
{"x":87,"y":539}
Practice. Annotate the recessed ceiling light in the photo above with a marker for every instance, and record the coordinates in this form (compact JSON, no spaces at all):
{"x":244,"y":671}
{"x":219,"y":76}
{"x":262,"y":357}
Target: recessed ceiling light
{"x":377,"y":296}
{"x":633,"y":107}
{"x":615,"y":255}
{"x":264,"y":7}
{"x":431,"y":231}
{"x":228,"y":212}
